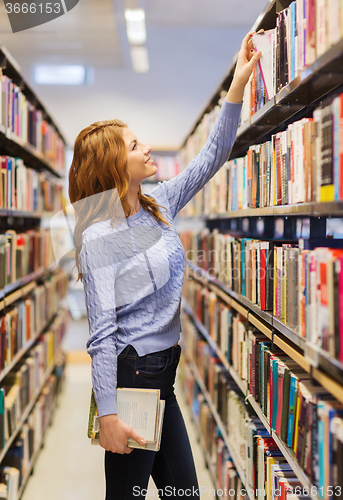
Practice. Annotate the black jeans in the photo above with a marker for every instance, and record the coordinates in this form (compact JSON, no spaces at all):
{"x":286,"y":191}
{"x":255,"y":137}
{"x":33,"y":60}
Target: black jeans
{"x":172,"y":467}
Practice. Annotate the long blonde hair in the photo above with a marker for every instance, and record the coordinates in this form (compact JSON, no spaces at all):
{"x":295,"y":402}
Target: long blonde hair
{"x":99,"y":165}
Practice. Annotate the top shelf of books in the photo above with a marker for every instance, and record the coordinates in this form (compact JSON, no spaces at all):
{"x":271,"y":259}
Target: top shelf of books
{"x":26,"y":129}
{"x":305,"y":65}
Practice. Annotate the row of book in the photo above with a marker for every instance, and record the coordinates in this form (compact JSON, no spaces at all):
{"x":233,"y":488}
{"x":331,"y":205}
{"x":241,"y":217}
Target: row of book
{"x":266,"y":479}
{"x":24,"y":320}
{"x":301,"y":288}
{"x":16,"y":464}
{"x":23,"y":253}
{"x":303,"y":163}
{"x":22,"y":120}
{"x":23,"y":188}
{"x":306,"y":417}
{"x":304,"y":31}
{"x":19,"y":386}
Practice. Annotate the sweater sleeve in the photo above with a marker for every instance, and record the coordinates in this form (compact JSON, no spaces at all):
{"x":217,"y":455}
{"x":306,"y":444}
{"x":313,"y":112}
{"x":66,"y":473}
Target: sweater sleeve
{"x":99,"y":287}
{"x":181,"y":189}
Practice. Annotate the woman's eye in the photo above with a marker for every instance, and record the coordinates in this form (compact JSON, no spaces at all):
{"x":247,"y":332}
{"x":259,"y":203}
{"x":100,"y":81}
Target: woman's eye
{"x":134,"y":146}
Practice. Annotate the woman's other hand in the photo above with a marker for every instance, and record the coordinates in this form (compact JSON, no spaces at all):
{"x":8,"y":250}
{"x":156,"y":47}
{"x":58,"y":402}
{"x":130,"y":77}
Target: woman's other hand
{"x":114,"y":434}
{"x":247,"y":58}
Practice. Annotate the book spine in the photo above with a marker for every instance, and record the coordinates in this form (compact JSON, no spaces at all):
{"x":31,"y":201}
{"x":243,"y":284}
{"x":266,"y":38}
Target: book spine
{"x":327,"y":186}
{"x":341,"y":137}
{"x":336,"y":104}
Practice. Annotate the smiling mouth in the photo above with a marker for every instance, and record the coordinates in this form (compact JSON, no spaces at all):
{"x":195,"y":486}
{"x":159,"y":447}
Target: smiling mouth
{"x":149,"y":160}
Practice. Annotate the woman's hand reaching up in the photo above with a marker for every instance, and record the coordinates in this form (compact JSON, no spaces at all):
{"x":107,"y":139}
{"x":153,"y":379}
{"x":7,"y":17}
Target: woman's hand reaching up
{"x":247,"y":58}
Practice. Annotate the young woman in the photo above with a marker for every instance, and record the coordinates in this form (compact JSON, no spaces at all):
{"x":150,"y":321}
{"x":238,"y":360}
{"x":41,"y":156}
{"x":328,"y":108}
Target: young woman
{"x":132,"y":273}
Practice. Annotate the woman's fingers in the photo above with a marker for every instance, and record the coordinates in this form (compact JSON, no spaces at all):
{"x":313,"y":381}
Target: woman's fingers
{"x":246,"y":39}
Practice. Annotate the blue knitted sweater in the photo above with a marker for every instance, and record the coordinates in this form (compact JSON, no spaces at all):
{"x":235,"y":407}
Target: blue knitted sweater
{"x":137,"y":300}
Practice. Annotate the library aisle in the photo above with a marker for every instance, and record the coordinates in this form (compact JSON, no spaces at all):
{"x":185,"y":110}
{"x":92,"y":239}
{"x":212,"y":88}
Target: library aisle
{"x":68,"y":466}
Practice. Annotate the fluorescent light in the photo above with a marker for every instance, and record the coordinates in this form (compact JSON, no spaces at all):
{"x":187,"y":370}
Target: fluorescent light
{"x":140,"y":59}
{"x":60,"y":75}
{"x":135,"y":26}
{"x":135,"y":15}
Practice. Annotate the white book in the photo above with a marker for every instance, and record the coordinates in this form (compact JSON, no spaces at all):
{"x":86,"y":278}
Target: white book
{"x":13,"y":483}
{"x":301,"y":37}
{"x":141,"y":409}
{"x":265,"y":43}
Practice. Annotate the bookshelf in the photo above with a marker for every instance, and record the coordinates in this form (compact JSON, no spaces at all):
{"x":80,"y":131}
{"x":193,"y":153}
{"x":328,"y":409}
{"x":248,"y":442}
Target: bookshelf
{"x":311,"y":209}
{"x":219,"y":423}
{"x":248,"y":398}
{"x":273,"y":328}
{"x":314,"y":84}
{"x":287,"y":452}
{"x":28,"y":410}
{"x":31,"y":176}
{"x":300,"y":96}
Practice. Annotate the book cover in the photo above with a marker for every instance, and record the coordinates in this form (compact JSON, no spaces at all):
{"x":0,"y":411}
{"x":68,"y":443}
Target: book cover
{"x":310,"y":32}
{"x":302,"y":424}
{"x":275,"y":375}
{"x":298,"y":401}
{"x":340,"y":293}
{"x":327,"y":181}
{"x":285,"y":405}
{"x":336,"y":273}
{"x":281,"y":374}
{"x":320,"y":27}
{"x":341,"y":138}
{"x":263,"y":271}
{"x":139,"y":408}
{"x":265,"y":42}
{"x":292,"y":407}
{"x":336,"y":119}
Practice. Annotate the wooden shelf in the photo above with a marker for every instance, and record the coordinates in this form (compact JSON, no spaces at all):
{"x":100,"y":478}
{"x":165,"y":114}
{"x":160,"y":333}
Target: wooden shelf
{"x":25,"y":349}
{"x":12,"y":145}
{"x":22,"y":282}
{"x":4,"y":212}
{"x":309,"y":209}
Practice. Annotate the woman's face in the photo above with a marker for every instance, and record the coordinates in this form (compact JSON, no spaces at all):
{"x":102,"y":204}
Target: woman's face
{"x":139,"y":163}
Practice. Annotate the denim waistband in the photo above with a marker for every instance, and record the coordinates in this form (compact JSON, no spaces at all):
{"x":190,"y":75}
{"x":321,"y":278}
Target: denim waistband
{"x":131,"y":351}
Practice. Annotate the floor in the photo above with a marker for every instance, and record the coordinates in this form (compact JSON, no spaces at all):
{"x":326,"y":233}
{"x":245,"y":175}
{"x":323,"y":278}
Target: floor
{"x":68,"y":467}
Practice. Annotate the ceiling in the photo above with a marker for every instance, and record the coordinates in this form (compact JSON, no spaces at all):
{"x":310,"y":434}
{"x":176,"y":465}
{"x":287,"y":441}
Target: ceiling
{"x":190,"y":43}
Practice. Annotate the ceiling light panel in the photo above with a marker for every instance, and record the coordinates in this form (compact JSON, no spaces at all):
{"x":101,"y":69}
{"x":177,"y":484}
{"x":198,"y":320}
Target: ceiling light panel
{"x":139,"y":59}
{"x":135,"y":26}
{"x":60,"y":75}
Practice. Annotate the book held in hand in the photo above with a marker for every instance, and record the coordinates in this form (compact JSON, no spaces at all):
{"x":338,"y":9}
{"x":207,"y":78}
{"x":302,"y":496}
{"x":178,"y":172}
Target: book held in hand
{"x":265,"y":42}
{"x":141,"y":409}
